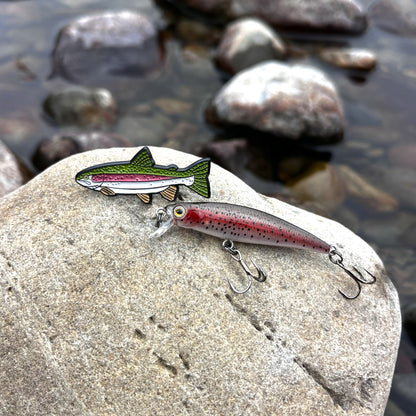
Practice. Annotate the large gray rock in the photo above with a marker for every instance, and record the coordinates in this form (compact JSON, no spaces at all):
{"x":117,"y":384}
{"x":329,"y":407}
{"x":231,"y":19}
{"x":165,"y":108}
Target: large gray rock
{"x":323,"y":15}
{"x":293,"y":101}
{"x":99,"y":319}
{"x":97,"y":47}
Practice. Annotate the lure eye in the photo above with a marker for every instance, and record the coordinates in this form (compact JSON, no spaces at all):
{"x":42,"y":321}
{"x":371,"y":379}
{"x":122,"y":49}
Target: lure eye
{"x":179,"y":211}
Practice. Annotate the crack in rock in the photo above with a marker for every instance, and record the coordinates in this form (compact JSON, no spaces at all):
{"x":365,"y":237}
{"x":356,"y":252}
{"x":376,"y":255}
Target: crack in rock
{"x":338,"y":398}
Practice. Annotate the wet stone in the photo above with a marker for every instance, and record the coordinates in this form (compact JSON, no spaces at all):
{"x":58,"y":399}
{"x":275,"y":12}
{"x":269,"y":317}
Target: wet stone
{"x":13,"y":173}
{"x":292,"y":101}
{"x":106,"y":45}
{"x":324,"y":15}
{"x":361,"y":59}
{"x":60,"y":146}
{"x":81,"y":106}
{"x":247,"y":42}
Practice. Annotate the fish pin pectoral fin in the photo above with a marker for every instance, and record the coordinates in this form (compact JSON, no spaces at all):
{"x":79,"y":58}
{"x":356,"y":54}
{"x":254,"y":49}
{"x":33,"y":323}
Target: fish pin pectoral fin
{"x":145,"y":198}
{"x":107,"y":191}
{"x":170,"y":193}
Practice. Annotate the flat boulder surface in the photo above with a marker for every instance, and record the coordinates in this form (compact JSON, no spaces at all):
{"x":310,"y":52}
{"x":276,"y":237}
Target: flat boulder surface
{"x":99,"y":319}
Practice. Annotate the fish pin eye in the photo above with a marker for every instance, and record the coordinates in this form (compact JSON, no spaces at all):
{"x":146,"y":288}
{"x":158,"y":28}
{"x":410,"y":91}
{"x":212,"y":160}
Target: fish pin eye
{"x":179,"y":211}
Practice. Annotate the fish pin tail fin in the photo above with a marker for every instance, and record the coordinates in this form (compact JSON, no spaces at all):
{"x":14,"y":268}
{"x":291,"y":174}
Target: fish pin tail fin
{"x":200,"y":170}
{"x":170,"y":193}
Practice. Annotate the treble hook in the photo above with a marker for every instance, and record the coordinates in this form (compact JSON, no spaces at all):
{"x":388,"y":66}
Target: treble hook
{"x":236,"y":255}
{"x":336,"y":258}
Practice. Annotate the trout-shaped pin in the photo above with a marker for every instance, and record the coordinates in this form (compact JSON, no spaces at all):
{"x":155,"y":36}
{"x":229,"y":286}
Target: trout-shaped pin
{"x":142,"y":177}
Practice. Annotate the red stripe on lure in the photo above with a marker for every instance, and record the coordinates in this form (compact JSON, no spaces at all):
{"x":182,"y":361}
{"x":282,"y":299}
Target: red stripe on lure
{"x":243,"y":224}
{"x":248,"y":225}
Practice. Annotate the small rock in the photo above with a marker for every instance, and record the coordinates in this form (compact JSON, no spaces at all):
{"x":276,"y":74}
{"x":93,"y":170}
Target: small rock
{"x":81,"y":106}
{"x":349,"y":58}
{"x":372,"y":198}
{"x":247,"y":42}
{"x":106,"y":45}
{"x":61,"y":146}
{"x":13,"y":173}
{"x":323,"y":15}
{"x":320,"y":184}
{"x":296,"y":102}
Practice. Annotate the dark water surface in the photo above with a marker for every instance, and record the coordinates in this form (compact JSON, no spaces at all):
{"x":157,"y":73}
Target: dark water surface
{"x":379,"y":142}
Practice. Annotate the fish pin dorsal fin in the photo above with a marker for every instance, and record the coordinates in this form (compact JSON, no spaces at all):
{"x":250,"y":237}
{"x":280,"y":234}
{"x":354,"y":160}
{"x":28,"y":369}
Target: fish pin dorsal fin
{"x":143,"y":158}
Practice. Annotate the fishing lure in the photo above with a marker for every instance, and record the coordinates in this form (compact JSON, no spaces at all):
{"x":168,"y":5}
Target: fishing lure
{"x":235,"y":223}
{"x":142,"y":177}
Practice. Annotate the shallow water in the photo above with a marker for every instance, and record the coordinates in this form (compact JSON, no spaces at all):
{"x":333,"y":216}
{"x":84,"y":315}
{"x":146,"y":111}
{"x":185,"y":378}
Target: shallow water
{"x":379,"y":108}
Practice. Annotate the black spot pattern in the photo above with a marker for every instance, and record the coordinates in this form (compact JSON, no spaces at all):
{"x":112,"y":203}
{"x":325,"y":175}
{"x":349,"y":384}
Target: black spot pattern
{"x":247,"y":225}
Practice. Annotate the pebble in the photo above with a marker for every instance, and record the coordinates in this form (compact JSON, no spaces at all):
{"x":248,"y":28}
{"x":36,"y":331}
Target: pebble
{"x":13,"y":173}
{"x":361,"y":59}
{"x":247,"y":42}
{"x":81,"y":106}
{"x":292,"y":101}
{"x":62,"y":145}
{"x":94,"y":48}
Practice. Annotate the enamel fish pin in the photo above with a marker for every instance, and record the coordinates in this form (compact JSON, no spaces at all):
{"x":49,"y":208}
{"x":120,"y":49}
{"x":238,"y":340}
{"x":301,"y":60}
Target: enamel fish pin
{"x":142,"y":177}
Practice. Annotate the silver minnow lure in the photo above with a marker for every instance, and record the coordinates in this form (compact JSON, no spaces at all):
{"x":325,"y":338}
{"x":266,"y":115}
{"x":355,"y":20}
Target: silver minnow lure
{"x":236,"y":223}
